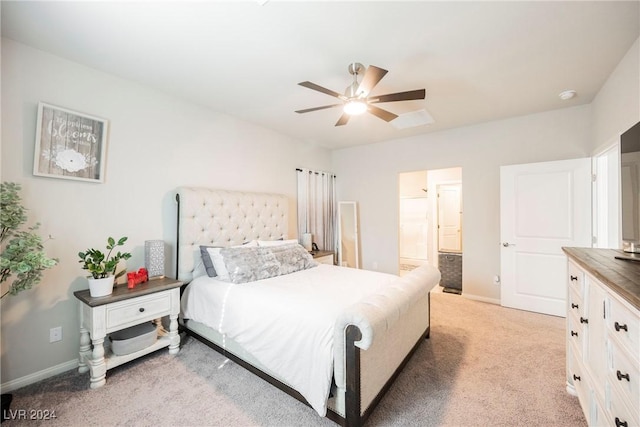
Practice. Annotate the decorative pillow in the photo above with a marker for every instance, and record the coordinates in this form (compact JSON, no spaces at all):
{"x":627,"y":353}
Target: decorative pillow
{"x":244,"y":265}
{"x":292,"y":257}
{"x":247,"y":264}
{"x":207,"y":256}
{"x":280,"y":242}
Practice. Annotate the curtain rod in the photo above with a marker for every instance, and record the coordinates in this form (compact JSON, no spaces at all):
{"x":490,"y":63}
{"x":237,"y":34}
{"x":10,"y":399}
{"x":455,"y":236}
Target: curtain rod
{"x":317,"y":173}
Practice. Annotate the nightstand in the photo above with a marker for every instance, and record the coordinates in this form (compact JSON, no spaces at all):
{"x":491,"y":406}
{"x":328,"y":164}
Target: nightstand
{"x":323,"y":257}
{"x":125,"y":307}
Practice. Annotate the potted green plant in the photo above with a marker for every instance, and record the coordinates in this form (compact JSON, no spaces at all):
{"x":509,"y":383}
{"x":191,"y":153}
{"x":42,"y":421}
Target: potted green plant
{"x":103,"y":267}
{"x":22,"y":251}
{"x":22,"y":254}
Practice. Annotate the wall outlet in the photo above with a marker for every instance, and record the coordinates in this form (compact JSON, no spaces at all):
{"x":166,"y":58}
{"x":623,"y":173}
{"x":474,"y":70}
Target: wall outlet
{"x":374,"y":265}
{"x":55,"y":334}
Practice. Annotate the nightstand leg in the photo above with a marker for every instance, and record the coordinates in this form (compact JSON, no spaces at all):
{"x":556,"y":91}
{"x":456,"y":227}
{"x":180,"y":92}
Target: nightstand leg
{"x":85,"y":350}
{"x":97,"y":363}
{"x":174,"y":338}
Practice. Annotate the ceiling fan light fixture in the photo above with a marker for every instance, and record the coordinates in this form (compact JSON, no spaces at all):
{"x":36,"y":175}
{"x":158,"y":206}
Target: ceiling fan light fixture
{"x":355,"y":107}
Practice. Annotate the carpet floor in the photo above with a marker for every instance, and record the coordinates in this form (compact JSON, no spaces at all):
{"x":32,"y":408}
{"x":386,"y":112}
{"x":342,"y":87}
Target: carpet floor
{"x":484,"y":365}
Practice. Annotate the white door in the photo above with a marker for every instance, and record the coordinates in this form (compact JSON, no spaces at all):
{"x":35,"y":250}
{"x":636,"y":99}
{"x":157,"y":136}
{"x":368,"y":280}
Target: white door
{"x":543,"y":207}
{"x":449,"y":218}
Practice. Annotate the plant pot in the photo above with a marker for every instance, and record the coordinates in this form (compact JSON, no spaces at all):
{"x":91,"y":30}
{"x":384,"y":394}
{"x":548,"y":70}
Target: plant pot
{"x":101,"y":287}
{"x":6,"y":404}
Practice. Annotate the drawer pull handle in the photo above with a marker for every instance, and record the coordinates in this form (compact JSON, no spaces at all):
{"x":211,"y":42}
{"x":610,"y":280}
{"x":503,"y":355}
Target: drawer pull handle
{"x":583,"y":320}
{"x":574,"y":305}
{"x":618,"y":326}
{"x":141,"y":309}
{"x":621,"y":423}
{"x":574,"y":278}
{"x":576,"y":378}
{"x":574,"y":334}
{"x":620,"y":376}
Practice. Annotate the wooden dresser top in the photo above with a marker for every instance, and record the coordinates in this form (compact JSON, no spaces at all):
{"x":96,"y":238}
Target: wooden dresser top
{"x":621,"y":276}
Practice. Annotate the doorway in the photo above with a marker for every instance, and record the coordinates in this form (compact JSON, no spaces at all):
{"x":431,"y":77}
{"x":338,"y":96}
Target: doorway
{"x":430,"y":222}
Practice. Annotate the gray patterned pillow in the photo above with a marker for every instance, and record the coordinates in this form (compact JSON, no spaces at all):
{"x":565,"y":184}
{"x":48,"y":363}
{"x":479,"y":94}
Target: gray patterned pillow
{"x":292,"y":257}
{"x":250,"y":264}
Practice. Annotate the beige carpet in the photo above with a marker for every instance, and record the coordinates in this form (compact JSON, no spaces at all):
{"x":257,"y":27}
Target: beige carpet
{"x":484,"y":365}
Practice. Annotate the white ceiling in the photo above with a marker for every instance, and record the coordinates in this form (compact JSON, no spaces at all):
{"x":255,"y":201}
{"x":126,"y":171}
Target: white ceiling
{"x":478,"y":61}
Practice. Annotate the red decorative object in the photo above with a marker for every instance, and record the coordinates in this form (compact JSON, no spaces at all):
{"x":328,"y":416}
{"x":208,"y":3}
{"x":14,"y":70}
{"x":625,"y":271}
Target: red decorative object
{"x":136,"y":277}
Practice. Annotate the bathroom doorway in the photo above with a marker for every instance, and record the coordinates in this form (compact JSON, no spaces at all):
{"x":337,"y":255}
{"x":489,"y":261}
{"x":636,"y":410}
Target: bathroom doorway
{"x":430,"y":223}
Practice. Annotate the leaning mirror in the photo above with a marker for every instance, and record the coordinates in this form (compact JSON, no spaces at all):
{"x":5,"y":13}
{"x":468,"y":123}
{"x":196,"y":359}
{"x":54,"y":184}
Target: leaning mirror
{"x":348,"y":254}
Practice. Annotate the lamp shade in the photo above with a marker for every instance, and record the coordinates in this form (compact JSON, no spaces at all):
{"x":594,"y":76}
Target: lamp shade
{"x":307,"y":238}
{"x":154,"y":258}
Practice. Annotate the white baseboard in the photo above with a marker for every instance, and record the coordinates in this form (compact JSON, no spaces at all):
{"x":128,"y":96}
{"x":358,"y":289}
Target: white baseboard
{"x":38,"y":376}
{"x":480,"y":298}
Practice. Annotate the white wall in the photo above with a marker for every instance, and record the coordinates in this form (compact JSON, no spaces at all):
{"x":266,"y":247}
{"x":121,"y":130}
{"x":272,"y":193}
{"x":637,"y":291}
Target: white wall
{"x":369,"y":175}
{"x":156,"y":143}
{"x":480,"y":150}
{"x":616,"y":107}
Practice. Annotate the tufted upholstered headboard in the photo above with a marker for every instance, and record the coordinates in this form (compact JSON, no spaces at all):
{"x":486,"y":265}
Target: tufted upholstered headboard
{"x":224,"y":218}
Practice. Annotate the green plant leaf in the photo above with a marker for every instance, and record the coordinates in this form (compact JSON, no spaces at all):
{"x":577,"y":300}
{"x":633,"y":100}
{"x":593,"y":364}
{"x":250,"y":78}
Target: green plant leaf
{"x":23,"y":256}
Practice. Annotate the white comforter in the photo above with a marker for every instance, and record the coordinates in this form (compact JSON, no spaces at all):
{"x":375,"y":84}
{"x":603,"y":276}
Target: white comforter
{"x":285,"y":322}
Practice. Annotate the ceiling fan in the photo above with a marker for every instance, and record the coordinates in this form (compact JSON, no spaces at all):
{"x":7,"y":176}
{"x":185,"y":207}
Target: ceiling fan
{"x":356,"y":99}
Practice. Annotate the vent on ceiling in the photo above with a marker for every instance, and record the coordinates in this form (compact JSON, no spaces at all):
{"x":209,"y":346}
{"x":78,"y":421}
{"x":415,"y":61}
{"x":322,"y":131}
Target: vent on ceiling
{"x":412,"y":119}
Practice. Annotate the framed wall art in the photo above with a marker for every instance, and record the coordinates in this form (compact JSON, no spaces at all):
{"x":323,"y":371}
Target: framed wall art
{"x":70,"y":145}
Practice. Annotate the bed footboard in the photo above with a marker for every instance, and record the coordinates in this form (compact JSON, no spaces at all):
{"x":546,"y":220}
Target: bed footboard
{"x":379,"y":336}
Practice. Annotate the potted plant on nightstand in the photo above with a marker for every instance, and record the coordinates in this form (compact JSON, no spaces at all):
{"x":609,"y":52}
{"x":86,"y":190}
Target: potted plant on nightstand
{"x":103,"y":267}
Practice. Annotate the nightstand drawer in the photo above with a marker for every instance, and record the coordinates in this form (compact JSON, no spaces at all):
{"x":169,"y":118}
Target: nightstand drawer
{"x":138,"y":310}
{"x":327,"y":259}
{"x":323,"y":257}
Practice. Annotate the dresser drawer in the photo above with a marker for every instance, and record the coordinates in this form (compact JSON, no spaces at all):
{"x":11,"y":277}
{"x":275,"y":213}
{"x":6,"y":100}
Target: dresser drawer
{"x":575,"y":334}
{"x":575,"y":303}
{"x":624,"y":326}
{"x":579,"y":382}
{"x":576,"y":279}
{"x":130,"y":312}
{"x":625,"y":375}
{"x":620,"y":413}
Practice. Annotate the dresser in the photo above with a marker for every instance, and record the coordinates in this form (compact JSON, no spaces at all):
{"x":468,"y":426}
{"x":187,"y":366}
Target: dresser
{"x":603,"y":336}
{"x":124,"y":308}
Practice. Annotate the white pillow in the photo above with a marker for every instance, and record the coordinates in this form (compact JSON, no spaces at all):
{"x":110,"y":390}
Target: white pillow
{"x":267,"y":243}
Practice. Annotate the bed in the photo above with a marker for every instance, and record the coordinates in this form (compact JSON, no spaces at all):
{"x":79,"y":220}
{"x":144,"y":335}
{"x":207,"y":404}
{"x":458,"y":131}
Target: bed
{"x":270,"y":308}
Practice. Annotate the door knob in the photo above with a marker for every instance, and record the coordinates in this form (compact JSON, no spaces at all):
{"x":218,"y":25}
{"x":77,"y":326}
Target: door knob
{"x":507,"y":244}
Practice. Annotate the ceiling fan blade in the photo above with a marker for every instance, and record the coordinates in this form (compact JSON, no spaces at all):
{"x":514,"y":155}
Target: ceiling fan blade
{"x":371,"y":78}
{"x":383,"y":114}
{"x":314,"y":86}
{"x":400,"y":96}
{"x":307,"y":110}
{"x":344,"y":118}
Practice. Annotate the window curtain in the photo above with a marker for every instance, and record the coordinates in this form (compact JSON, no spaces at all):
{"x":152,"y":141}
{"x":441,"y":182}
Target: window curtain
{"x":317,"y":207}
